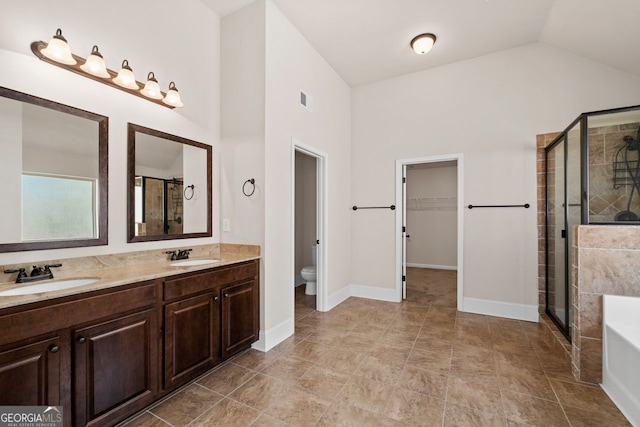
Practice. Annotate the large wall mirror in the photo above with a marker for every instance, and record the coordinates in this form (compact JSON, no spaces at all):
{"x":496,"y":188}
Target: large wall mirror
{"x":169,"y":186}
{"x":54,"y":174}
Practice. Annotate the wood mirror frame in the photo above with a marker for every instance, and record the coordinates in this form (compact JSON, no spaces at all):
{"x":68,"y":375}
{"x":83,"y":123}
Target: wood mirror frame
{"x":102,"y":209}
{"x":132,"y":129}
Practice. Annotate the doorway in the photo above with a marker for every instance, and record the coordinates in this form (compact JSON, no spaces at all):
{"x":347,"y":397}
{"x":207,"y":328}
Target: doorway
{"x":308,"y":241}
{"x":429,"y":238}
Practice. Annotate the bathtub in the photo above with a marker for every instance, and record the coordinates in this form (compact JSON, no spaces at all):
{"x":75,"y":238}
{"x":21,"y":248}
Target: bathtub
{"x":621,"y":353}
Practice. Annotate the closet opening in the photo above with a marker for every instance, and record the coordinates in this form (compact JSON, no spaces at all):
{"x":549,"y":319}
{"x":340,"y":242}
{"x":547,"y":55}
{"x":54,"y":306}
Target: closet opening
{"x":429,"y":236}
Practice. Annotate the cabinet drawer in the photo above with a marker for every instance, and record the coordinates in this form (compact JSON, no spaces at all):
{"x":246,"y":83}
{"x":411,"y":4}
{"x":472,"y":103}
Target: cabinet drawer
{"x":196,"y":283}
{"x":86,"y":307}
{"x":245,"y":271}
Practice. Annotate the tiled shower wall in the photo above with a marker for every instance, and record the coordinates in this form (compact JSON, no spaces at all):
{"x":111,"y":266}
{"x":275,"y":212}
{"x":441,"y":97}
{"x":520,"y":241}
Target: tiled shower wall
{"x":605,"y":198}
{"x":606,"y":263}
{"x":541,"y":142}
{"x":605,"y":257}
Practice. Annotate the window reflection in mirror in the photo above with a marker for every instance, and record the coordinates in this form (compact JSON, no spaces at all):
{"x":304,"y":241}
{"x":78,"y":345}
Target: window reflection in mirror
{"x":169,"y":186}
{"x":58,"y":207}
{"x":53,"y":166}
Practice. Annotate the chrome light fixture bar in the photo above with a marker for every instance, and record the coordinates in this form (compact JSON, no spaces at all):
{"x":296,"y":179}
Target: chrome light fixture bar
{"x":57,"y":52}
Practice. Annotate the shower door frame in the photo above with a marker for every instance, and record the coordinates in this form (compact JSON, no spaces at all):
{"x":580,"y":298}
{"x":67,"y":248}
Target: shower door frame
{"x":583,"y":121}
{"x":561,"y":139}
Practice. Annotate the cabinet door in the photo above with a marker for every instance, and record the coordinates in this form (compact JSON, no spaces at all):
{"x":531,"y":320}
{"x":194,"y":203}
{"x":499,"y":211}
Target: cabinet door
{"x":30,"y":374}
{"x":192,"y":338}
{"x":115,"y":368}
{"x":240,"y":325}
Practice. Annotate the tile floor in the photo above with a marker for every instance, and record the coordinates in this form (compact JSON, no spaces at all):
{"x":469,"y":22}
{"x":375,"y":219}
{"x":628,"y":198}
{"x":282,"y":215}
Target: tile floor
{"x":371,"y":363}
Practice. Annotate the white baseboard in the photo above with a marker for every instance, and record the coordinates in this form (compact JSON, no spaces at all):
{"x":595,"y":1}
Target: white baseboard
{"x":372,"y":292}
{"x":337,"y":297}
{"x":274,"y":336}
{"x":432,"y":266}
{"x":509,"y":310}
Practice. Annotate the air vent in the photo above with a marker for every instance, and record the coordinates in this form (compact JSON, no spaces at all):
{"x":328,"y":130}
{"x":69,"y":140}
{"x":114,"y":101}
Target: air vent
{"x":306,"y":101}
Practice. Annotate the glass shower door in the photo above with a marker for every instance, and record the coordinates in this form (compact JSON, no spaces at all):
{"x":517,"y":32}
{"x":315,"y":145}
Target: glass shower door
{"x":556,"y":253}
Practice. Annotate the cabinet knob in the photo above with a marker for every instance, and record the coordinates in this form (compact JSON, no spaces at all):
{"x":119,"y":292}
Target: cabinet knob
{"x":81,"y":340}
{"x":215,"y":298}
{"x":226,"y":295}
{"x":54,"y":348}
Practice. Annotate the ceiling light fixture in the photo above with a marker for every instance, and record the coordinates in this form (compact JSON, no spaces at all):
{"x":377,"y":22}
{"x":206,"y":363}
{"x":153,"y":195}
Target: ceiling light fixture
{"x":57,"y":52}
{"x":423,"y":43}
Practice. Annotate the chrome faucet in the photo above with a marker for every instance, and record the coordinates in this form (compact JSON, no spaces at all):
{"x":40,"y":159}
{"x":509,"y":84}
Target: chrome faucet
{"x":179,"y":254}
{"x":37,"y":273}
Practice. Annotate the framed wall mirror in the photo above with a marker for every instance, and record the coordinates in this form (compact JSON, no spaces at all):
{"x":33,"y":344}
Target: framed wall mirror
{"x":169,"y":186}
{"x":54,"y":171}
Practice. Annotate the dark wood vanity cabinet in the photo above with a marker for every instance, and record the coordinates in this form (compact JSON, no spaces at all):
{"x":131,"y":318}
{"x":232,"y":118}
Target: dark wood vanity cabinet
{"x":208,"y":317}
{"x":105,"y":355}
{"x":115,"y":367}
{"x":30,"y":373}
{"x":192,"y":338}
{"x":240,"y":322}
{"x":95,"y":354}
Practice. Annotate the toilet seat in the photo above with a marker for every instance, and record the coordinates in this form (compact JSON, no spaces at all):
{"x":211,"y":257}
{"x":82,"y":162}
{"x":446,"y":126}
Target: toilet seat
{"x":311,"y":269}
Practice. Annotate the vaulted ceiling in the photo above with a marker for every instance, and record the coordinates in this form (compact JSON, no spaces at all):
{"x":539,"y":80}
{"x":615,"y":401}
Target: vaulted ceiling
{"x":368,"y":40}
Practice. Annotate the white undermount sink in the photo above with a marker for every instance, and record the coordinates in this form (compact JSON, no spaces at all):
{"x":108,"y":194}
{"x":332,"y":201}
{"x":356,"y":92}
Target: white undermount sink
{"x":193,"y":262}
{"x":48,"y":287}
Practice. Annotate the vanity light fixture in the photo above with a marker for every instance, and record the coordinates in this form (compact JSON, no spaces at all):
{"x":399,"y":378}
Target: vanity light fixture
{"x":151,"y":89}
{"x":57,"y":52}
{"x":58,"y":49}
{"x":173,"y":97}
{"x":95,"y":65}
{"x":423,"y":43}
{"x":125,"y":77}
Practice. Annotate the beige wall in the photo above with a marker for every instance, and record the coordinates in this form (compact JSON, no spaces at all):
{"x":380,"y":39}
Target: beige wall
{"x":293,"y":65}
{"x":305,"y":210}
{"x":194,"y":173}
{"x":11,"y":172}
{"x":431,"y":218}
{"x":266,"y":62}
{"x":490,"y":109}
{"x":148,"y":46}
{"x":242,"y":127}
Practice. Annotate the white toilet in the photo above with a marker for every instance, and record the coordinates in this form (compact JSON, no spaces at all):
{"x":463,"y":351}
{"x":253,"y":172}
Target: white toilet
{"x":309,"y":273}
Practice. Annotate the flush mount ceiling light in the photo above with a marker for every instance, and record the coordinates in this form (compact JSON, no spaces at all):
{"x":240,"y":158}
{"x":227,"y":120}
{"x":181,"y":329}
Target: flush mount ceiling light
{"x":423,"y":43}
{"x":57,"y":52}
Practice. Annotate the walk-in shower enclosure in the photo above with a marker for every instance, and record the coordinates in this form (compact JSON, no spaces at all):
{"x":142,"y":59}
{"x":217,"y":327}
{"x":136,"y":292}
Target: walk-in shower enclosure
{"x":592,"y":177}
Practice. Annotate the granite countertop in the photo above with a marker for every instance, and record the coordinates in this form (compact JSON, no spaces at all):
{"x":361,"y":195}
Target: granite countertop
{"x":118,"y":276}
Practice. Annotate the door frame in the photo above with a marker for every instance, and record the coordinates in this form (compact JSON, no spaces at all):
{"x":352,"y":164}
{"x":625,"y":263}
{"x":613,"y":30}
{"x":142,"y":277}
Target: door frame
{"x":400,"y":203}
{"x":322,"y":215}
